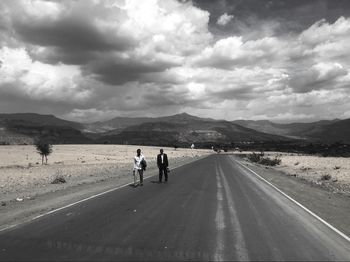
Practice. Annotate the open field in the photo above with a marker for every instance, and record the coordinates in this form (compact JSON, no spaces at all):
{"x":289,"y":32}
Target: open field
{"x":22,"y":175}
{"x":330,"y":172}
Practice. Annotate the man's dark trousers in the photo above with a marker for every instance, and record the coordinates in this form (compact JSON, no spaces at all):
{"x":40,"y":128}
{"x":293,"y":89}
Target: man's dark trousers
{"x":162,"y":165}
{"x":161,"y":171}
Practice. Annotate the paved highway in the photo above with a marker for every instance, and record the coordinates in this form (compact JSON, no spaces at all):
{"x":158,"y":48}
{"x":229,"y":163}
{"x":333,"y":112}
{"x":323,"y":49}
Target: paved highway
{"x":212,"y":209}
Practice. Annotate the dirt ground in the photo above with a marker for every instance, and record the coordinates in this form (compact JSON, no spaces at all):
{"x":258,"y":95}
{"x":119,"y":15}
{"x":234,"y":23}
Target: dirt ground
{"x":332,"y":173}
{"x":22,"y":175}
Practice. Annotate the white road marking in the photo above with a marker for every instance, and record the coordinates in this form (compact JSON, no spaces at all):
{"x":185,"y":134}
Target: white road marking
{"x":240,"y":246}
{"x":69,"y":205}
{"x":297,"y":203}
{"x":219,"y":221}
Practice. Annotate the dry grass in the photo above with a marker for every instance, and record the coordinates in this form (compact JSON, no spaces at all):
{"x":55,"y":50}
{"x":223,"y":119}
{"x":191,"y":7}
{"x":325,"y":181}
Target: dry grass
{"x":335,"y":171}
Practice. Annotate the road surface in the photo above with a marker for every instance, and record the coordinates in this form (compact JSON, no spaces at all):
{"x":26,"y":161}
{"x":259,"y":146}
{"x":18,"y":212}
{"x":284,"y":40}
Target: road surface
{"x":211,"y":209}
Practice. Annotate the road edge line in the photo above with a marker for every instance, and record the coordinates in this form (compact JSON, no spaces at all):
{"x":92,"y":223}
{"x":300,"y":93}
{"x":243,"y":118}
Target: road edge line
{"x":298,"y":204}
{"x":64,"y":207}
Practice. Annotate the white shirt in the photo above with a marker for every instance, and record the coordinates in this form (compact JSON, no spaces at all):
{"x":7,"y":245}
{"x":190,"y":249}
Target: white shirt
{"x":162,"y":156}
{"x":137,"y":162}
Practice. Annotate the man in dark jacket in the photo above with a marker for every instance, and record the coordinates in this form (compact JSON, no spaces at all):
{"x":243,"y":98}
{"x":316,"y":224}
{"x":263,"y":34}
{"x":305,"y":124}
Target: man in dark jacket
{"x":162,"y":163}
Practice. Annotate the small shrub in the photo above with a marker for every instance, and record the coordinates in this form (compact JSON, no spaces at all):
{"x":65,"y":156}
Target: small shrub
{"x":296,"y":163}
{"x":270,"y":161}
{"x":254,"y":157}
{"x":326,"y":177}
{"x":59,"y":179}
{"x":259,"y":158}
{"x":336,"y":167}
{"x":217,"y":150}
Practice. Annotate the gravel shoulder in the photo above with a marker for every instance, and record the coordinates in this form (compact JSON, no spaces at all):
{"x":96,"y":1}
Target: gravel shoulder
{"x":330,"y":205}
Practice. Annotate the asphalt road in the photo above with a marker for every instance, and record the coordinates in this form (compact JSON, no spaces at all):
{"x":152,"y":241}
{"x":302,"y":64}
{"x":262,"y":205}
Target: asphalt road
{"x":212,"y":209}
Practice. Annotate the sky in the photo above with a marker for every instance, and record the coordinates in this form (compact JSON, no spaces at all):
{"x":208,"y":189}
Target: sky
{"x":91,"y":60}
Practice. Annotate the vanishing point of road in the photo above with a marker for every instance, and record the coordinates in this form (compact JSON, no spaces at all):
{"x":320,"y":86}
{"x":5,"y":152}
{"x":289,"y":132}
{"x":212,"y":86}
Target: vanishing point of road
{"x":211,"y":209}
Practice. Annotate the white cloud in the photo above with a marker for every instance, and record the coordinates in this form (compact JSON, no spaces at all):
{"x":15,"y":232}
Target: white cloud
{"x":38,"y":80}
{"x":322,"y":32}
{"x":233,"y":51}
{"x":224,"y":19}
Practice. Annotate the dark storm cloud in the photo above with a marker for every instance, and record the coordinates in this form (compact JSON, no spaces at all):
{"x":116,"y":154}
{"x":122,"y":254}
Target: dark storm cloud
{"x":54,"y":55}
{"x":75,"y":38}
{"x":71,"y":40}
{"x":286,"y":15}
{"x":70,"y":34}
{"x":116,"y":71}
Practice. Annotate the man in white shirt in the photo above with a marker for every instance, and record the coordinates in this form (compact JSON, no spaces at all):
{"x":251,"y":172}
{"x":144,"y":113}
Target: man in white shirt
{"x":139,"y":160}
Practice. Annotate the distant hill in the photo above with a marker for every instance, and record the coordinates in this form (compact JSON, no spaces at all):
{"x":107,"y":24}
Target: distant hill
{"x":117,"y":124}
{"x":179,"y":129}
{"x":25,"y":128}
{"x":184,"y":129}
{"x":338,"y":131}
{"x":49,"y":120}
{"x":293,"y":130}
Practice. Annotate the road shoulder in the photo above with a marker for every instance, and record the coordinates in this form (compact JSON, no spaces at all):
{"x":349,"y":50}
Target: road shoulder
{"x":330,"y":206}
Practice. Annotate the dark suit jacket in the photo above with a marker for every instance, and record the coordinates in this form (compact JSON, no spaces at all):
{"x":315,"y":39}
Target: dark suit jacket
{"x":165,"y":161}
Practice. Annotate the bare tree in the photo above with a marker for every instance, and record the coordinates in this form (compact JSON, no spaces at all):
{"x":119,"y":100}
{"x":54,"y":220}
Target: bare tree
{"x":44,"y":148}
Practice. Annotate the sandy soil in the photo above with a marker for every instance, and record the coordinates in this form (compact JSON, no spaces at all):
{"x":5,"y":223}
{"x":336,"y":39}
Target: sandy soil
{"x":315,"y":169}
{"x":22,"y":176}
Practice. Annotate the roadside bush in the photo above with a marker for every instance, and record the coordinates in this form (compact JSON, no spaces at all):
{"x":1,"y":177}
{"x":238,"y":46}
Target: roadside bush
{"x":326,"y":177}
{"x":260,"y":159}
{"x":255,"y":157}
{"x":217,"y":150}
{"x":59,"y":179}
{"x":270,"y":161}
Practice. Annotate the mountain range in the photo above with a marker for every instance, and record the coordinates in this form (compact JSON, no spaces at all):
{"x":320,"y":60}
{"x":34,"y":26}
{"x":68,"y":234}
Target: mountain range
{"x":180,"y":130}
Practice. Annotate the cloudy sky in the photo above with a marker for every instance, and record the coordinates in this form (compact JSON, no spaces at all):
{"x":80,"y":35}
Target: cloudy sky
{"x":88,"y":60}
